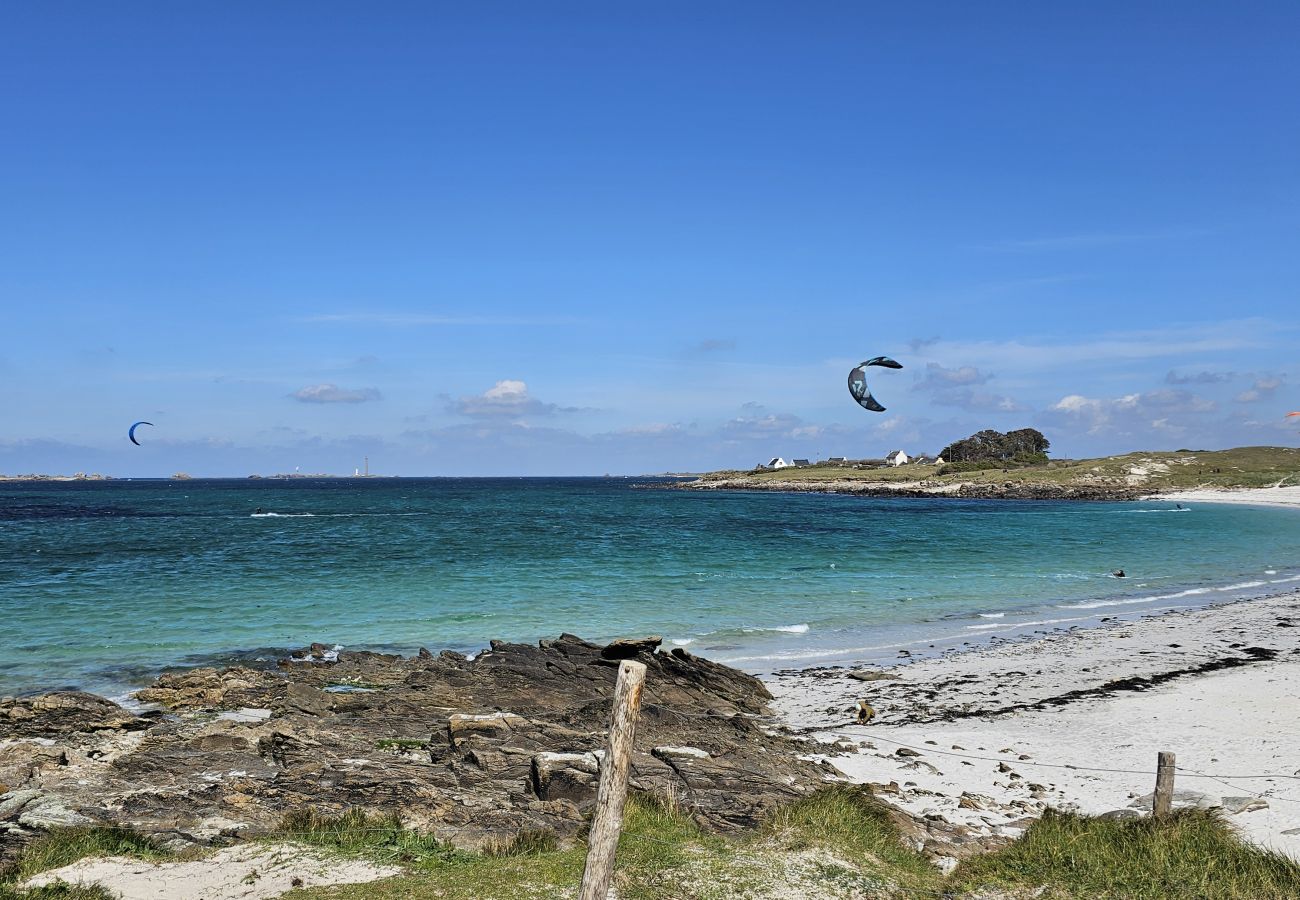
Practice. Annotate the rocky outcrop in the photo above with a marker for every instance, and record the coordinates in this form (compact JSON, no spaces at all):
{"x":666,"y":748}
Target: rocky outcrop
{"x":474,"y":751}
{"x":968,"y":490}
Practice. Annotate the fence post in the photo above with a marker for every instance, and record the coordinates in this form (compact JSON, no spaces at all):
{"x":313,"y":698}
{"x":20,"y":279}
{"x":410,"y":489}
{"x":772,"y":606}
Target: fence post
{"x":612,"y":793}
{"x":1162,"y":801}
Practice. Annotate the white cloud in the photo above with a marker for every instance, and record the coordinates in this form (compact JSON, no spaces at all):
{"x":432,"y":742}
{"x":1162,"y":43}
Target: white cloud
{"x":1264,"y":386}
{"x":507,"y":399}
{"x":332,"y":393}
{"x":1163,"y":410}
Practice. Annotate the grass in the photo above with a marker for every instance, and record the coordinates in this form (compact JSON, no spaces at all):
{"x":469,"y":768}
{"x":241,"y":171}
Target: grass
{"x":839,"y":843}
{"x":66,"y":846}
{"x":1157,"y":470}
{"x":1196,"y":854}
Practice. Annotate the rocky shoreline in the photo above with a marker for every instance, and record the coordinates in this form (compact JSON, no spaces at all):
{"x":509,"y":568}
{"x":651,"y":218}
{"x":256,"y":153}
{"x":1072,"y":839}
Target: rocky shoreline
{"x":481,"y":750}
{"x":1010,"y":490}
{"x":476,"y":750}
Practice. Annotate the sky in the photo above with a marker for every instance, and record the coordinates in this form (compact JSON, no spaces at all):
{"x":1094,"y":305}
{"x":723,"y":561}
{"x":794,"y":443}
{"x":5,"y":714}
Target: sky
{"x":578,"y":238}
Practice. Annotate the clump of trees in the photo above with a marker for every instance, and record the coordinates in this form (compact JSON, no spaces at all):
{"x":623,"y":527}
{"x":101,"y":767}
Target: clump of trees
{"x":991,"y":449}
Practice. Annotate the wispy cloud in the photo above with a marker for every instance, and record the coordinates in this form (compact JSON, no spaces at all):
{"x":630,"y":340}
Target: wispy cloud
{"x":711,"y":346}
{"x":402,"y":319}
{"x":1094,"y":239}
{"x":1264,"y":386}
{"x":332,"y":393}
{"x":1202,"y":377}
{"x":1033,"y":354}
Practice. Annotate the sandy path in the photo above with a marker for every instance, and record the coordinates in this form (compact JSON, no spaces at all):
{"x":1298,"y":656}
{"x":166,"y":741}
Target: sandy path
{"x":244,"y":872}
{"x":1216,"y":686}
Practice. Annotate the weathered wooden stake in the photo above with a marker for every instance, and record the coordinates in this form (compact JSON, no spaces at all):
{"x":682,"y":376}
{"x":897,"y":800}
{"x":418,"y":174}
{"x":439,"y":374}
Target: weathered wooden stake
{"x":612,"y":793}
{"x":1162,"y":801}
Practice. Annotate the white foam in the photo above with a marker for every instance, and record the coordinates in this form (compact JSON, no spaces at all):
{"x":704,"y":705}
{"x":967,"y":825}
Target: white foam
{"x":282,"y":516}
{"x":991,"y":615}
{"x":801,"y":628}
{"x":1131,"y":601}
{"x":681,"y":642}
{"x":1012,"y":625}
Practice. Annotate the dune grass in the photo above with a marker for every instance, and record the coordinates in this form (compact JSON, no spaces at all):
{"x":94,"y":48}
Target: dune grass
{"x":65,"y":846}
{"x":1195,"y":854}
{"x":838,"y":843}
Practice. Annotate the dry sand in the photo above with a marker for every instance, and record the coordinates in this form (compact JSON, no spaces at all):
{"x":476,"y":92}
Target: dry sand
{"x":1273,"y":496}
{"x":1003,"y":725}
{"x":244,"y":872}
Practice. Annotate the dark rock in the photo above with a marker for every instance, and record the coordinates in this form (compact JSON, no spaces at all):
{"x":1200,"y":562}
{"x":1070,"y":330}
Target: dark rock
{"x":466,"y":749}
{"x":61,"y":713}
{"x":629,"y":648}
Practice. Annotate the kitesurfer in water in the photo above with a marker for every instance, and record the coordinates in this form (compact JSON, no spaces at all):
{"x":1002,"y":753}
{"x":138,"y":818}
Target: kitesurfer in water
{"x":1118,"y":573}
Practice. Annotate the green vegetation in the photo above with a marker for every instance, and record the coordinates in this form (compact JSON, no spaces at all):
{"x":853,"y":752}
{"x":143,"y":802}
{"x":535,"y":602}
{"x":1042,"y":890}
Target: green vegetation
{"x":1161,"y":470}
{"x":1195,"y":854}
{"x":840,"y":843}
{"x":58,"y":891}
{"x":1023,"y":447}
{"x":64,"y":847}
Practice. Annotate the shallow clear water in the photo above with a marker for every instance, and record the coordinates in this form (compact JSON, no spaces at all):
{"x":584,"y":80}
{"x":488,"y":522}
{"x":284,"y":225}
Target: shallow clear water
{"x":102,"y":583}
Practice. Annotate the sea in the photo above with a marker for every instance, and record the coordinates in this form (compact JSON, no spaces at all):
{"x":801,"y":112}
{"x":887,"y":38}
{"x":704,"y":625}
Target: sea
{"x":105,"y":584}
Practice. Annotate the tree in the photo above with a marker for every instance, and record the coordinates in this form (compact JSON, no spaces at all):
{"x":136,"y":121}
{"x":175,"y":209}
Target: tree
{"x":1024,"y":446}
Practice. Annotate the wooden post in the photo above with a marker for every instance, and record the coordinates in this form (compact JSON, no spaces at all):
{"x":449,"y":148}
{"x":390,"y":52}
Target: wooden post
{"x":612,"y":793}
{"x":1162,"y":801}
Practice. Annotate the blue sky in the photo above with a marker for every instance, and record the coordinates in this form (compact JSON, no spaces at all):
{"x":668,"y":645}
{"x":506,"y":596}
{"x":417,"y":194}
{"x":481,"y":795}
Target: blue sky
{"x":573,"y":238}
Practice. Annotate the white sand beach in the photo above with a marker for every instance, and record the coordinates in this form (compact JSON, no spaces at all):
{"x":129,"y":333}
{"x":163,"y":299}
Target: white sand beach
{"x":1075,"y":720}
{"x":1270,"y":496}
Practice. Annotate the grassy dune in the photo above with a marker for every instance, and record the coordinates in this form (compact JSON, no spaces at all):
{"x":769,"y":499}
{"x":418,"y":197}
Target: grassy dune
{"x":837,"y":845}
{"x":1161,"y":470}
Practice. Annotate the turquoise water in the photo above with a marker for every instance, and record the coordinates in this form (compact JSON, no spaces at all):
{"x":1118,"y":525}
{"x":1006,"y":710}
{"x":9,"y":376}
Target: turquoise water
{"x":103,"y":583}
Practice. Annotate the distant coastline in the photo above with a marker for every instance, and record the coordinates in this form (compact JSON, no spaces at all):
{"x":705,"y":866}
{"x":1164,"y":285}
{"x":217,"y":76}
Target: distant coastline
{"x":1132,"y":476}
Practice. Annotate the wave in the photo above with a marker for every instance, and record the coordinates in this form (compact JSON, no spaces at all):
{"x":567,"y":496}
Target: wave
{"x":1130,"y":601}
{"x":681,"y":642}
{"x":275,"y":515}
{"x":801,"y":628}
{"x":991,"y":615}
{"x":1184,"y":509}
{"x":1190,"y":592}
{"x":1011,"y":625}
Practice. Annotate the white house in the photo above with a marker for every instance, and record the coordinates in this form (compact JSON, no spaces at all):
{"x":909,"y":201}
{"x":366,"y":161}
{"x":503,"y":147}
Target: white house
{"x":896,"y":458}
{"x":777,"y":462}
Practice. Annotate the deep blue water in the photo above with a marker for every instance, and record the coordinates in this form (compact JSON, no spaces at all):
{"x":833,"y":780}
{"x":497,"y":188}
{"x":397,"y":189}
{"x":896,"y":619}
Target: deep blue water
{"x":101,"y":583}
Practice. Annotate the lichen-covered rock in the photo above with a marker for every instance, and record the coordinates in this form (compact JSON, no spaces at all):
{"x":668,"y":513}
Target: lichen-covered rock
{"x":471,"y":750}
{"x":62,"y":712}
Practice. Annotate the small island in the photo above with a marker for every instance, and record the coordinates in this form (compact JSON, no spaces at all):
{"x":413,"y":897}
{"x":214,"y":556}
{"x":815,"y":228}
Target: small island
{"x":997,"y":466}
